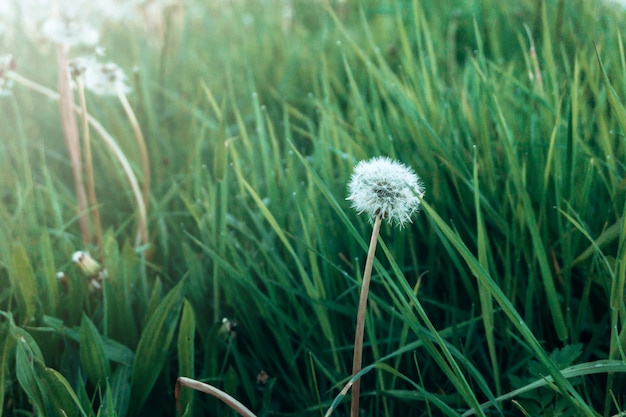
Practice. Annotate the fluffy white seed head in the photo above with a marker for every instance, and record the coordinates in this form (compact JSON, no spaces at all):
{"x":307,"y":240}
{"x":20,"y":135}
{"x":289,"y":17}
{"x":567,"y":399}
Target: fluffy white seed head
{"x":384,"y":187}
{"x":88,"y":266}
{"x":103,"y":79}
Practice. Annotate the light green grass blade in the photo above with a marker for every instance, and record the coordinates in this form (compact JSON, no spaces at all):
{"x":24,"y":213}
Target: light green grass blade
{"x":186,"y":353}
{"x":154,"y":347}
{"x":91,"y":352}
{"x":582,"y":369}
{"x":312,"y":291}
{"x":23,"y":279}
{"x":486,"y":300}
{"x":507,"y":307}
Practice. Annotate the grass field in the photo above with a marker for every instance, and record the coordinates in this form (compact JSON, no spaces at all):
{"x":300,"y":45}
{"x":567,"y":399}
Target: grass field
{"x":206,"y":193}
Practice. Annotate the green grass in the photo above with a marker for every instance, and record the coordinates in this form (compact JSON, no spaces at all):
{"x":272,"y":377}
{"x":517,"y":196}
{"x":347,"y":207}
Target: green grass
{"x":508,"y":286}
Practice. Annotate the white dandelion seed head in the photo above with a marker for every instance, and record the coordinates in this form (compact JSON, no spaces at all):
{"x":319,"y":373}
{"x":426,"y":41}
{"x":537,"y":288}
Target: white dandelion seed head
{"x":86,"y":263}
{"x":384,"y":187}
{"x":67,"y":30}
{"x":104,"y":79}
{"x":7,"y":64}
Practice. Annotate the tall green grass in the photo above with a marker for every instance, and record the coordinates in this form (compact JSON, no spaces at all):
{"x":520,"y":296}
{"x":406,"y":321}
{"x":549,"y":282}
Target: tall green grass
{"x":504,"y":297}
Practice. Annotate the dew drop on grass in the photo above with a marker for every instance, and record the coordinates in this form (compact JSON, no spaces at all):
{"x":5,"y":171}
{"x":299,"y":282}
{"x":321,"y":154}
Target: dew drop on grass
{"x":338,"y":43}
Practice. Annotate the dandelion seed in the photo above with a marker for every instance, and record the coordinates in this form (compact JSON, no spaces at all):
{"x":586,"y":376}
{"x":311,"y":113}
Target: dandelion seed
{"x":384,"y":187}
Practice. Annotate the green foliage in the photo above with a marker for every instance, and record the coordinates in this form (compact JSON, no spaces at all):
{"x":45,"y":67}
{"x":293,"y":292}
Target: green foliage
{"x":505,"y":295}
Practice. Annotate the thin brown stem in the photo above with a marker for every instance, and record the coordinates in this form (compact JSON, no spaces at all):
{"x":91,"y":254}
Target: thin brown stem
{"x":70,"y":132}
{"x":143,"y":154}
{"x":357,"y":358}
{"x":209,"y":389}
{"x":91,"y":187}
{"x":142,"y":222}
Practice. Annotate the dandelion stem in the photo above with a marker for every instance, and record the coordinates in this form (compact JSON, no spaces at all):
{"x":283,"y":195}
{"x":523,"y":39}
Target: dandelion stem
{"x":91,"y":188}
{"x":142,"y":222}
{"x":209,"y":389}
{"x":70,"y":130}
{"x":143,"y":152}
{"x":357,"y":357}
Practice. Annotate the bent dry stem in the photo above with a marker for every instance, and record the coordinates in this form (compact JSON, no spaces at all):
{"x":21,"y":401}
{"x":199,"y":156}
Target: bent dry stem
{"x":357,"y":358}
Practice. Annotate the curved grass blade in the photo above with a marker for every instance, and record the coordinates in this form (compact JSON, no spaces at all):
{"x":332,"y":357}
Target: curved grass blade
{"x":154,"y":346}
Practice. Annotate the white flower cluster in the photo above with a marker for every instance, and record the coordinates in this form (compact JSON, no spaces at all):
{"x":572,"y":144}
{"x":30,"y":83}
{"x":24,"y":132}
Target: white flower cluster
{"x":384,"y":187}
{"x":100,"y":78}
{"x":91,"y":268}
{"x":76,"y":22}
{"x":7,"y":63}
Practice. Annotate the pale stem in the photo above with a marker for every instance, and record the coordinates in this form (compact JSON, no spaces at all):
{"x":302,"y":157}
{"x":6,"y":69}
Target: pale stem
{"x":357,"y":358}
{"x":91,"y":188}
{"x":143,"y":153}
{"x":216,"y":392}
{"x":142,"y":222}
{"x":72,"y":142}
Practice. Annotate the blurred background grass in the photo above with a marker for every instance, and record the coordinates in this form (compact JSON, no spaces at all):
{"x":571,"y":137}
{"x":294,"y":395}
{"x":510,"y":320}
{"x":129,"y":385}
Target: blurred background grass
{"x":254,"y":113}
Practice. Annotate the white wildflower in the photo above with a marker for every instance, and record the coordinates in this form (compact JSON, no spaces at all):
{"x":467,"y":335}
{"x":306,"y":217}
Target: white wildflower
{"x":384,"y":187}
{"x":70,"y":31}
{"x":7,"y":63}
{"x":91,"y":269}
{"x":103,"y":79}
{"x":86,"y":263}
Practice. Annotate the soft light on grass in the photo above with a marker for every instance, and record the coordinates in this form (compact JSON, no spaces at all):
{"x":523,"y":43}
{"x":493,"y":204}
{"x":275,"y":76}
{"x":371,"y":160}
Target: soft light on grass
{"x":253,"y":116}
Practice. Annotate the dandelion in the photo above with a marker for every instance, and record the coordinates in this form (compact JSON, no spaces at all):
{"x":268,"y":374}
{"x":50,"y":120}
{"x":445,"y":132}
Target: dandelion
{"x":70,"y":31}
{"x":7,"y":64}
{"x":384,"y":189}
{"x":103,"y":79}
{"x":91,"y":269}
{"x":86,"y":263}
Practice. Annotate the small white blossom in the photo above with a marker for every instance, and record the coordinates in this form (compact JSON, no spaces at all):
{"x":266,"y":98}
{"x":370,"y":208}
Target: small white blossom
{"x":70,"y":31}
{"x":7,"y":63}
{"x":86,"y":263}
{"x":384,"y":187}
{"x":103,"y":79}
{"x":92,"y":269}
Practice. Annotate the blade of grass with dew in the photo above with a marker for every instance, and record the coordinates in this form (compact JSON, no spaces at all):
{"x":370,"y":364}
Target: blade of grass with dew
{"x":153,"y":348}
{"x":61,"y":398}
{"x":532,"y":225}
{"x":186,"y":352}
{"x":116,"y":290}
{"x":25,"y":355}
{"x":7,"y":349}
{"x":486,"y":301}
{"x":311,"y":289}
{"x":22,"y":278}
{"x":443,"y":356}
{"x":582,"y":369}
{"x":91,"y":353}
{"x":507,"y":307}
{"x":113,"y":350}
{"x":616,"y":106}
